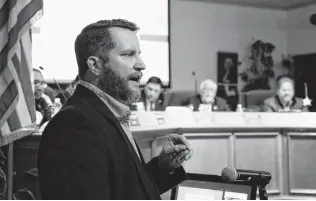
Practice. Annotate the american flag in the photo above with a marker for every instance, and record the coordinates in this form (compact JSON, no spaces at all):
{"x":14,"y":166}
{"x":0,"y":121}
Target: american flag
{"x":17,"y":105}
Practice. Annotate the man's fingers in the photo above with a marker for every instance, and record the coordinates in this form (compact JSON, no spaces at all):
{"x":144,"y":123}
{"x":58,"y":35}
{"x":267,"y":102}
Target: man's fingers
{"x":175,"y":149}
{"x":189,"y":155}
{"x":181,"y":156}
{"x":179,"y":148}
{"x":180,"y":139}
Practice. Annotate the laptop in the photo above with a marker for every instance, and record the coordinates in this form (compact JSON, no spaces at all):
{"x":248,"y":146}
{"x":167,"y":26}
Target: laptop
{"x":212,"y":187}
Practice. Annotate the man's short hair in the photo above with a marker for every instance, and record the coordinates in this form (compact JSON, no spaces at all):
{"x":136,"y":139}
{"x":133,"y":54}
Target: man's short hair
{"x":96,"y":40}
{"x":155,"y":80}
{"x":207,"y":81}
{"x":284,"y":78}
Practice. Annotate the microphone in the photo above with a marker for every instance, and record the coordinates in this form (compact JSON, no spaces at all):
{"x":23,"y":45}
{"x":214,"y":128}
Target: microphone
{"x":230,"y":175}
{"x":195,"y":89}
{"x":61,"y":91}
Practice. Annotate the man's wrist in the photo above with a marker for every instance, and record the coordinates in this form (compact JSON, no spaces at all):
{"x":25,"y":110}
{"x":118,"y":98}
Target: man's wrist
{"x":161,"y":166}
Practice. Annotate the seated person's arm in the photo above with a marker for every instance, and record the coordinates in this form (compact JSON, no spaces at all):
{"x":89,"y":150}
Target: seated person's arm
{"x":268,"y":105}
{"x":188,"y":103}
{"x":267,"y":108}
{"x":305,"y":109}
{"x":227,"y":108}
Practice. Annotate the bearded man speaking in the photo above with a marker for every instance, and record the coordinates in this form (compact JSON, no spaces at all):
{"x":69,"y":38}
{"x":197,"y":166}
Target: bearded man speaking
{"x":87,"y":150}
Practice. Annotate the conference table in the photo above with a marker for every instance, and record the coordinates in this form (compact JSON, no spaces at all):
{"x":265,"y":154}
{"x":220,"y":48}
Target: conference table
{"x":283,"y":144}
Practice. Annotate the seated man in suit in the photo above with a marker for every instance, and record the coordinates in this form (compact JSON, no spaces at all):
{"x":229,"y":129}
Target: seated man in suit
{"x":207,"y":99}
{"x":284,"y":101}
{"x":43,"y":103}
{"x":152,"y":97}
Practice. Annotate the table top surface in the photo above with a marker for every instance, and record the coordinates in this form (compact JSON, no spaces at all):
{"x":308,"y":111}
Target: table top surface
{"x":149,"y":124}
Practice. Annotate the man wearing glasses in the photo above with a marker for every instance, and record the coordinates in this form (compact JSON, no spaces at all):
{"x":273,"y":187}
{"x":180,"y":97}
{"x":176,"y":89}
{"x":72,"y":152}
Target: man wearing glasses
{"x":43,"y":104}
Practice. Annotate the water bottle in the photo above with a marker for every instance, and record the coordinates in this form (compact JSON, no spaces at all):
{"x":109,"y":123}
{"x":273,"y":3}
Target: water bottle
{"x":57,"y":105}
{"x":239,"y":108}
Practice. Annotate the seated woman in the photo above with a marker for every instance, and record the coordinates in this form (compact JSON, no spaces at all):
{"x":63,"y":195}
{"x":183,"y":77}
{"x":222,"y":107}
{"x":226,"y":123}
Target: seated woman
{"x":285,"y":101}
{"x":207,"y":99}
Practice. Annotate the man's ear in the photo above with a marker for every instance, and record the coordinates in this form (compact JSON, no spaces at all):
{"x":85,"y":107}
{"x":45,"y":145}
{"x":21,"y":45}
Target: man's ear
{"x":93,"y":63}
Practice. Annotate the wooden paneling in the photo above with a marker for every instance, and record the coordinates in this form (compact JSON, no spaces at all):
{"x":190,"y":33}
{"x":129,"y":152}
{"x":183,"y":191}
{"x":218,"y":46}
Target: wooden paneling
{"x":212,"y":152}
{"x":302,"y":163}
{"x":259,"y":151}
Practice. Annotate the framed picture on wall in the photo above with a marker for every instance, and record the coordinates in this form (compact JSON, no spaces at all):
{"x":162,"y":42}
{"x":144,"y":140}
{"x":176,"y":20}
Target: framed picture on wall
{"x":227,"y":77}
{"x":227,"y":64}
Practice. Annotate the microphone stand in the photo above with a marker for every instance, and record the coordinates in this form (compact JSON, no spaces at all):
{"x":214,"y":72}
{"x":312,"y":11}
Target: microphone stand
{"x":263,"y":195}
{"x":195,"y":88}
{"x":61,"y":91}
{"x":262,"y":183}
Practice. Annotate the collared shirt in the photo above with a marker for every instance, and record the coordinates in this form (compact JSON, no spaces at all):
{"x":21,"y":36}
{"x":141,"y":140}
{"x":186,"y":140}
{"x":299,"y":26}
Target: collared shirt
{"x":120,"y":110}
{"x":285,"y":107}
{"x":150,"y":105}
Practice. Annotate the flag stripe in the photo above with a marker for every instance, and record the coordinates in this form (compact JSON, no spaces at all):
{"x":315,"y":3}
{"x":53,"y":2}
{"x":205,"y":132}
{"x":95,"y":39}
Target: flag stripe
{"x":30,"y":31}
{"x":5,"y":129}
{"x":5,"y":79}
{"x":16,"y":9}
{"x":5,"y":11}
{"x":24,"y":16}
{"x":26,"y":45}
{"x":2,"y":2}
{"x":8,"y":100}
{"x":23,"y":117}
{"x":16,"y":64}
{"x":26,"y":84}
{"x":14,"y":121}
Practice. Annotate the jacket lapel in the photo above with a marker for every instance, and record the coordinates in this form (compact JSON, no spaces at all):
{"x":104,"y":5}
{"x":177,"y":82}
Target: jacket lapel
{"x":94,"y":101}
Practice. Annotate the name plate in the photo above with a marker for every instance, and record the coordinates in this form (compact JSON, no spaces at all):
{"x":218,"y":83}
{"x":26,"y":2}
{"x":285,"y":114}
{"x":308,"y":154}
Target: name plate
{"x":228,"y":118}
{"x":146,"y":119}
{"x":134,"y":120}
{"x":179,"y":116}
{"x":203,"y":118}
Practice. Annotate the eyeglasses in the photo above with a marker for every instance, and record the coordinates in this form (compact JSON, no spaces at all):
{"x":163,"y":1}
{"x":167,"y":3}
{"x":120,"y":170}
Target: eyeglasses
{"x":38,"y":83}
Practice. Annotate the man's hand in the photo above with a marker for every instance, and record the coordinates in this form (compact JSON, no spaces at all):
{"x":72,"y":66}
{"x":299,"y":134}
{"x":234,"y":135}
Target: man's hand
{"x":47,"y":100}
{"x":174,"y":152}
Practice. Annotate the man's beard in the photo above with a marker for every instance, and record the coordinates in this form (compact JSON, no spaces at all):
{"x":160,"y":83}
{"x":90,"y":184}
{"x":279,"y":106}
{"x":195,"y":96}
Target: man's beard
{"x":208,"y":99}
{"x":117,"y":87}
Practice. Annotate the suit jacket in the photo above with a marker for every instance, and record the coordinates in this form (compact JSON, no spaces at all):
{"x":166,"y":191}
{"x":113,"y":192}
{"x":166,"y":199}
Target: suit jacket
{"x":85,"y":154}
{"x":160,"y":104}
{"x":273,"y":104}
{"x":220,"y":104}
{"x":44,"y":108}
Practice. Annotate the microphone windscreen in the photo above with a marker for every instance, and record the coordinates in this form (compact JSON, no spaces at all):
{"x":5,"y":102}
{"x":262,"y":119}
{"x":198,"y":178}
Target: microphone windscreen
{"x":229,"y":174}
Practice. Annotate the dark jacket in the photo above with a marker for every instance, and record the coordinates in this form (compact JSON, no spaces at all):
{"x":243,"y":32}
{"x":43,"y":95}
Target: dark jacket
{"x":85,"y":154}
{"x":46,"y":110}
{"x":273,"y":104}
{"x":220,"y":104}
{"x":160,"y":104}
